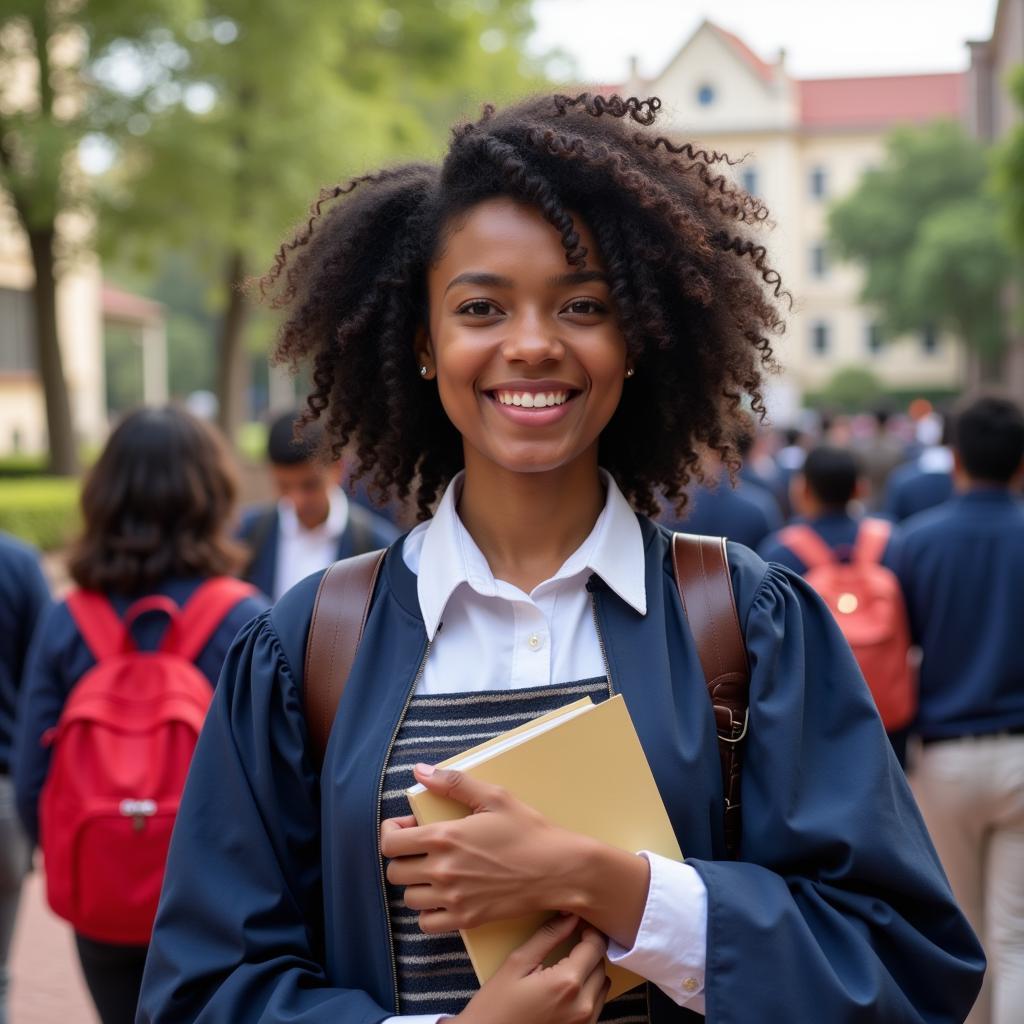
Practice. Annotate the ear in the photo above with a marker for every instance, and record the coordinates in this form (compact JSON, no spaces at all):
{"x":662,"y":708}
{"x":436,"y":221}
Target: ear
{"x":424,"y":350}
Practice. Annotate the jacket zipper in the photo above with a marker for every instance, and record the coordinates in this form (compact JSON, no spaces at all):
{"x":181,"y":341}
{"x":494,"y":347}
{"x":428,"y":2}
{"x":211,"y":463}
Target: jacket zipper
{"x":380,"y":793}
{"x":611,"y":693}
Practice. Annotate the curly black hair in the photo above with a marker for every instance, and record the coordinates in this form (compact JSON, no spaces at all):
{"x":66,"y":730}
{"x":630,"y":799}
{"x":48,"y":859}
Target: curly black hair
{"x":693,"y":292}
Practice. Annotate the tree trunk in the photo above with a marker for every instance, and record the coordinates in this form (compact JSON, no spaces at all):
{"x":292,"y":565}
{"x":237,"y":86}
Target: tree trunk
{"x":63,"y":450}
{"x":232,"y":357}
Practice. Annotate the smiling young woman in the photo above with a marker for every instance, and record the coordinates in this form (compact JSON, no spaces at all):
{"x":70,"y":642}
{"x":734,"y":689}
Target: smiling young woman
{"x":536,"y":339}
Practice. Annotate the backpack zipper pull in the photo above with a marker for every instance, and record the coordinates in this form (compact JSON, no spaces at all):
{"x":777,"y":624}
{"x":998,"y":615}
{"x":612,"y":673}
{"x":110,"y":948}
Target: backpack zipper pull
{"x":138,"y":811}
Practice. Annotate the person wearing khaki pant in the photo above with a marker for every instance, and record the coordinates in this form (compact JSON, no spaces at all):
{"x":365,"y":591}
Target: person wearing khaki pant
{"x":961,"y":566}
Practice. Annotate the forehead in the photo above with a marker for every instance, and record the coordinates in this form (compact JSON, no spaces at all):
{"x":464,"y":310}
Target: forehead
{"x":504,"y":235}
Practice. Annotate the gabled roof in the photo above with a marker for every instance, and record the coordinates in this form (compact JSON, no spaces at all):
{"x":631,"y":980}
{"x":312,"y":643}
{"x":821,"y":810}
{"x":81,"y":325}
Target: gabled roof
{"x":125,"y":307}
{"x":881,"y":100}
{"x":761,"y":68}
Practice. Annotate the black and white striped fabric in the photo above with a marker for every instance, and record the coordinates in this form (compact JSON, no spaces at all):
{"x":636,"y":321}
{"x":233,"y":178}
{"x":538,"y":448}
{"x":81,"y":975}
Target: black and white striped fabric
{"x":434,"y":972}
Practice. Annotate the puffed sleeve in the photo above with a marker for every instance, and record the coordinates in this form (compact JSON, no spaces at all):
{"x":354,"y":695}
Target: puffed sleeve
{"x":837,"y":909}
{"x":238,"y":933}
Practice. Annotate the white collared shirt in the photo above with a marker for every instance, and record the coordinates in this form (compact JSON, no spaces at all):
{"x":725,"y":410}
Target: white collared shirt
{"x":488,"y":634}
{"x":302,"y":552}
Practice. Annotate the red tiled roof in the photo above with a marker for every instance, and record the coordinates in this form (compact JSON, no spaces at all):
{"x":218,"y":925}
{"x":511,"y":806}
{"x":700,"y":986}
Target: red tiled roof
{"x":883,"y":100}
{"x":760,"y":67}
{"x":136,"y":309}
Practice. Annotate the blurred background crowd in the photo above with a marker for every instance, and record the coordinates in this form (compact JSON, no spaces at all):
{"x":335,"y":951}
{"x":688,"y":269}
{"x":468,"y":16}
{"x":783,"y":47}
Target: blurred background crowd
{"x":153,"y":153}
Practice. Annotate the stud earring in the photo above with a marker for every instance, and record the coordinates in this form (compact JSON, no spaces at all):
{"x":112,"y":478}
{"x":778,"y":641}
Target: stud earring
{"x":423,"y":372}
{"x":629,"y":372}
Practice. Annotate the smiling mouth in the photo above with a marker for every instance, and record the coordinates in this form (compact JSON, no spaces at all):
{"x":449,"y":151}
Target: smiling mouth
{"x":532,"y":399}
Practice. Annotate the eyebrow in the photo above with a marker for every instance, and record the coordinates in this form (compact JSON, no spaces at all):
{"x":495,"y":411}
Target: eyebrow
{"x":486,"y":280}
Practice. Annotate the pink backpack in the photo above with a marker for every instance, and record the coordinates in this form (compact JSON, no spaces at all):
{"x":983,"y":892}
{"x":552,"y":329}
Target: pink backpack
{"x":866,"y":600}
{"x":121,"y":751}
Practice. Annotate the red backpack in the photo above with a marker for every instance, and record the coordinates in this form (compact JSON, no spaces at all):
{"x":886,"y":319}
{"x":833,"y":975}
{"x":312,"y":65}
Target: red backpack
{"x":865,"y":598}
{"x":120,"y":754}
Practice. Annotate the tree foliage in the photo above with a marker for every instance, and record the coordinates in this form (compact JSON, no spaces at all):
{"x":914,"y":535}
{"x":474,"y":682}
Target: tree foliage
{"x":927,"y":232}
{"x":1009,"y":169}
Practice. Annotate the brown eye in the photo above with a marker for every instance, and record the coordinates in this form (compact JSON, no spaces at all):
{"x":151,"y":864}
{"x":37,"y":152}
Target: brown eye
{"x":478,"y":307}
{"x":586,"y":307}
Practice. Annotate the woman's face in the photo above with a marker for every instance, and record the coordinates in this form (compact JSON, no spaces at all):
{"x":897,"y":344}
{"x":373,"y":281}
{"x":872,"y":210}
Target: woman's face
{"x":527,"y":351}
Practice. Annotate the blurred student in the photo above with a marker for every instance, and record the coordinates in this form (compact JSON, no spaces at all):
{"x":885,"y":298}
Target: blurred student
{"x":927,"y":480}
{"x":24,"y":599}
{"x":844,"y":556}
{"x":156,"y":510}
{"x":313,"y":523}
{"x":961,"y":567}
{"x":879,"y":454}
{"x":746,"y":513}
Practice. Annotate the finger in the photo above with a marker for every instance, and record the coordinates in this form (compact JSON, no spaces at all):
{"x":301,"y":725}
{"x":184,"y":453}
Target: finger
{"x":407,"y":870}
{"x":437,"y":922}
{"x":391,"y":826}
{"x":600,"y":996}
{"x":544,"y":941}
{"x":420,"y":897}
{"x":456,"y":785}
{"x":588,"y":952}
{"x":403,"y":841}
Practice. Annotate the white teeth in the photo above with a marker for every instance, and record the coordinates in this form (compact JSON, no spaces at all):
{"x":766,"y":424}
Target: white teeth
{"x":531,"y":400}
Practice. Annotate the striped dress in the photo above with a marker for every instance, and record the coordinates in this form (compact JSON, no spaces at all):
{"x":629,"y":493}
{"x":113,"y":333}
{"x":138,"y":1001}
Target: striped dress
{"x":434,"y":972}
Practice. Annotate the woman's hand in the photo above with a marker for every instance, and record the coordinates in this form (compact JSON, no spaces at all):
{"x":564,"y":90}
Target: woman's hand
{"x":571,"y":991}
{"x":507,"y":860}
{"x":503,"y":861}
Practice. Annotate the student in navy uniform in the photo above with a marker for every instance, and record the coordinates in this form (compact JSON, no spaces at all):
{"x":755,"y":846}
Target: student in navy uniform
{"x":313,"y":523}
{"x":156,"y":508}
{"x":746,"y":513}
{"x":822,"y":495}
{"x":961,"y":567}
{"x":24,"y":600}
{"x":924,"y":482}
{"x":543,"y":345}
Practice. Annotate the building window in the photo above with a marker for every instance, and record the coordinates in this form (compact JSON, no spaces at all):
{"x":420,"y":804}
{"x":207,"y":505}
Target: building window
{"x":819,"y":261}
{"x":929,"y":340}
{"x":17,"y":328}
{"x":705,"y":94}
{"x":819,"y":182}
{"x":819,"y":338}
{"x":874,"y":338}
{"x":748,"y":179}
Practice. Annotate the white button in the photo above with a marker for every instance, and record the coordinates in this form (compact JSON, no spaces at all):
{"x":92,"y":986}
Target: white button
{"x":536,"y":641}
{"x":691,"y":984}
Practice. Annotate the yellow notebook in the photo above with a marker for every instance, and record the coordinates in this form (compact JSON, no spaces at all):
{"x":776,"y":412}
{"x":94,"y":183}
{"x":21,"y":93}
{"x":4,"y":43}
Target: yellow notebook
{"x":583,"y":768}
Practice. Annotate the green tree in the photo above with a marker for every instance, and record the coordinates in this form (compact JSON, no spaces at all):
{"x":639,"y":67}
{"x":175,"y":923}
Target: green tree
{"x":926,"y":230}
{"x":274,"y":100}
{"x":49,"y":102}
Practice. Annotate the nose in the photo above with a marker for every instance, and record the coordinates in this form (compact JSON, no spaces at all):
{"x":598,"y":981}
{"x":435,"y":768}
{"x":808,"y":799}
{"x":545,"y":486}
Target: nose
{"x":532,"y":339}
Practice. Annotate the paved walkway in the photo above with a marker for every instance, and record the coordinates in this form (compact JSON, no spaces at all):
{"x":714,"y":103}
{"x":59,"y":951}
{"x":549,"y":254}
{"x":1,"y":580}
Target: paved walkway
{"x":46,"y":983}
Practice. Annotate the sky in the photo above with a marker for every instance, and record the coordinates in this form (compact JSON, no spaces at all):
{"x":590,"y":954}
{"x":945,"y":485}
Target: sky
{"x":822,"y":38}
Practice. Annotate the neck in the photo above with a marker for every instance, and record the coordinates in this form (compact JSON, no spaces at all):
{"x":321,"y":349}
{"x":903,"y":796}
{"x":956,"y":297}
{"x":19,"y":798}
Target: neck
{"x":527,"y":524}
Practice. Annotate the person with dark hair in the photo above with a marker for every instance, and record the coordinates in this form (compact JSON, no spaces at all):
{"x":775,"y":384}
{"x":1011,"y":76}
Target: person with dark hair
{"x":537,"y":338}
{"x":156,"y":510}
{"x":24,"y":600}
{"x":961,"y":566}
{"x":313,"y":522}
{"x":828,"y":532}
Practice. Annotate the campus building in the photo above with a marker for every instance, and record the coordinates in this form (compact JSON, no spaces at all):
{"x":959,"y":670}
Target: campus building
{"x":806,"y":143}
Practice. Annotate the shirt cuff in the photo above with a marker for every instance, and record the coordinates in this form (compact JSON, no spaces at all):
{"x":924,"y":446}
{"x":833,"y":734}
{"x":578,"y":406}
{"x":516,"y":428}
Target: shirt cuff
{"x":671,"y":943}
{"x":418,"y":1018}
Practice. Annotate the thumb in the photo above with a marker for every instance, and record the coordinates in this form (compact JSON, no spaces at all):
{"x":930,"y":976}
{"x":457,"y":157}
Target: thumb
{"x":456,"y":785}
{"x":555,"y":932}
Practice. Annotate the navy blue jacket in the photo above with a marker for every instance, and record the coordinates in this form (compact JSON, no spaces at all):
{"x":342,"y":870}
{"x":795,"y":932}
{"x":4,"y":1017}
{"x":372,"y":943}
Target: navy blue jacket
{"x":911,"y":489}
{"x":59,"y":658}
{"x":745,"y":514}
{"x":24,"y":599}
{"x":264,"y":519}
{"x":961,"y":567}
{"x":838,"y":531}
{"x":837,"y":912}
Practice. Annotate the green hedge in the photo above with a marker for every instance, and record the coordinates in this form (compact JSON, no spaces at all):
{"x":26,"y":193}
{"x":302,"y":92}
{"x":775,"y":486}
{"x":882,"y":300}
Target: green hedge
{"x":42,"y":510}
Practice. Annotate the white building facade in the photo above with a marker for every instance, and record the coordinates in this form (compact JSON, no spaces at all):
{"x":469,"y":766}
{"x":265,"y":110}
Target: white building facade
{"x":807,"y":143}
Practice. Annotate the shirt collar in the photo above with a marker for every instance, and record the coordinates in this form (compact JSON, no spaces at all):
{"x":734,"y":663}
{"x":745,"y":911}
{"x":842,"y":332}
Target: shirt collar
{"x":330,"y":529}
{"x":449,"y":557}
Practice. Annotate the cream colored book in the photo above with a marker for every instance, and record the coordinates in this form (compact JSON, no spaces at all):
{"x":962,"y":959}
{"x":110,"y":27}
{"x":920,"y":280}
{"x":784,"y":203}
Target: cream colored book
{"x":583,"y":768}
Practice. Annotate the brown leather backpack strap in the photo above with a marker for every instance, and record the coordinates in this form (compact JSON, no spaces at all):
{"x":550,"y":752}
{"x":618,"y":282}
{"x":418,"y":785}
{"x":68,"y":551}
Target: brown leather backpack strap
{"x":339,"y":617}
{"x":705,"y":589}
